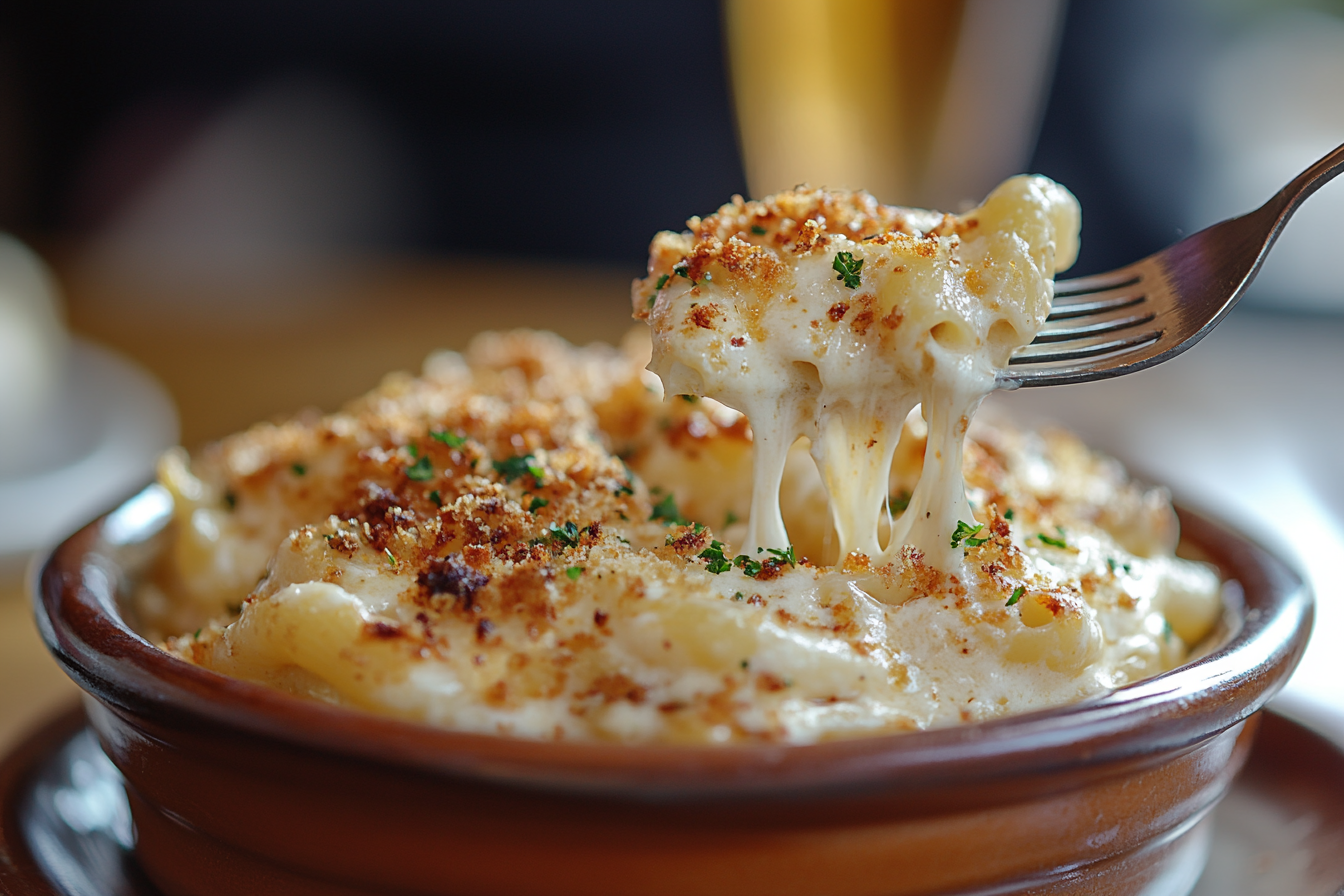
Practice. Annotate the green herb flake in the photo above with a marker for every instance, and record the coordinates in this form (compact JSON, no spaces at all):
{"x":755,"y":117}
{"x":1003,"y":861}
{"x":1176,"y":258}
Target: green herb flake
{"x":1167,"y":630}
{"x":452,"y":440}
{"x":566,"y":535}
{"x":197,"y":635}
{"x":683,"y":270}
{"x":391,"y":558}
{"x":1110,"y":564}
{"x":746,"y":663}
{"x":662,"y":281}
{"x":299,"y":469}
{"x":759,"y":230}
{"x":718,"y":563}
{"x":1053,"y":542}
{"x":1017,"y":595}
{"x":537,"y":504}
{"x":729,"y":518}
{"x":750,"y":568}
{"x":421,"y":470}
{"x":964,"y":532}
{"x":785,"y":556}
{"x":738,"y":596}
{"x":847,"y":268}
{"x":690,"y":399}
{"x":436,"y":498}
{"x":666,"y":511}
{"x":574,"y":572}
{"x":513,"y":467}
{"x":900,"y":501}
{"x":1008,"y":514}
{"x":231,"y":500}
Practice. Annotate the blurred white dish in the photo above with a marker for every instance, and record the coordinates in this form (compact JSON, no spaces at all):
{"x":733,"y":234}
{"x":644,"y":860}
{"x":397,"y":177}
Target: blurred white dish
{"x":99,"y":440}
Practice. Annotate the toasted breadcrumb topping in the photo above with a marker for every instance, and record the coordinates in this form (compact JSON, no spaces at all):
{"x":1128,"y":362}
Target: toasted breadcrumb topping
{"x":528,"y":540}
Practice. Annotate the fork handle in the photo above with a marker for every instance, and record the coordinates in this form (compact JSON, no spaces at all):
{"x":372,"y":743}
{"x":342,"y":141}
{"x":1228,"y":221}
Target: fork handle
{"x":1286,"y":201}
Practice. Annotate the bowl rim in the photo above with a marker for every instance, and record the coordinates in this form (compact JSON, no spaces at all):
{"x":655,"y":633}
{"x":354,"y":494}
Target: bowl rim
{"x":75,"y":588}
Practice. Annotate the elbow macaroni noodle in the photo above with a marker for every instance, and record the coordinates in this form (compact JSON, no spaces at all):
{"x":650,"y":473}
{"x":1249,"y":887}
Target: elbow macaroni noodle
{"x":528,"y":540}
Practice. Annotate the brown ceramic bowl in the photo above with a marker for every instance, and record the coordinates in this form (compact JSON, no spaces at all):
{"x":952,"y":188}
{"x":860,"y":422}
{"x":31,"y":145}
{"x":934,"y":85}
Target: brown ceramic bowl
{"x":237,"y":788}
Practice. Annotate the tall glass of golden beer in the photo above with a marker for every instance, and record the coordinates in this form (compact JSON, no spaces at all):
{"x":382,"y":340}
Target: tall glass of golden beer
{"x":920,"y":102}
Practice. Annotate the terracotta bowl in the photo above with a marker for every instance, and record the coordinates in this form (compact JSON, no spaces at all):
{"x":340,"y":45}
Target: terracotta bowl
{"x":236,"y":788}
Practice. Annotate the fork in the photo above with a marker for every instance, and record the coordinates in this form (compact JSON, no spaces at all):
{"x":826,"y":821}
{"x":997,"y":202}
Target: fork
{"x":1150,"y":311}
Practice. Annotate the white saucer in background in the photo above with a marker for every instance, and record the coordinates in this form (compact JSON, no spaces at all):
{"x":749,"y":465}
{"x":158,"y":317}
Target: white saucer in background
{"x":101,"y":439}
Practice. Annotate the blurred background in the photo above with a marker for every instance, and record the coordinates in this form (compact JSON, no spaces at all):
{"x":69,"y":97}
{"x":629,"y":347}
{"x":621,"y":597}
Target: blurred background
{"x":242,"y":208}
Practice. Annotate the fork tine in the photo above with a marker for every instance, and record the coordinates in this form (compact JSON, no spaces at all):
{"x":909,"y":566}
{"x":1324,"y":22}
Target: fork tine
{"x":1107,"y":301}
{"x":1078,"y":286}
{"x":1086,"y":348}
{"x":1112,"y":324}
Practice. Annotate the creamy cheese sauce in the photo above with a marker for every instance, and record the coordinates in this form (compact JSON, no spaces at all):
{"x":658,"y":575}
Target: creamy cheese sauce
{"x":529,"y":540}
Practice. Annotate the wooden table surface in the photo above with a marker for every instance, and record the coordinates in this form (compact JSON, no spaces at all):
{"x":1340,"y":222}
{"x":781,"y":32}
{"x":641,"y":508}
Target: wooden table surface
{"x":235,"y":348}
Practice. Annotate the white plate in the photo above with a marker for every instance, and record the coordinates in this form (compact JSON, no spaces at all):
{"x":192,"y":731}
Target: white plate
{"x":102,"y":439}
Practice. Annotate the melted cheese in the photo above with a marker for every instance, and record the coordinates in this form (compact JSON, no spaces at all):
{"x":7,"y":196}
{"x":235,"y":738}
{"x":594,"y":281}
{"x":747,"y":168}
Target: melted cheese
{"x":757,"y":310}
{"x":528,"y":540}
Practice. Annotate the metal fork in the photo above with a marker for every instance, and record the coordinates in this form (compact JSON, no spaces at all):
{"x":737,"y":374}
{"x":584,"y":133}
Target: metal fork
{"x":1150,"y":311}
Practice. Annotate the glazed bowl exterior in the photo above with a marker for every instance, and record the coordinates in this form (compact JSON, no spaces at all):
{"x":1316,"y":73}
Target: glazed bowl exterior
{"x":237,"y":788}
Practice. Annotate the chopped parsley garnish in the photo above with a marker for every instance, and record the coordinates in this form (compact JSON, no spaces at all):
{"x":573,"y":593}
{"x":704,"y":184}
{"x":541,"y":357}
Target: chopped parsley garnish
{"x":435,"y":497}
{"x":746,"y":663}
{"x":628,"y":487}
{"x":231,"y":499}
{"x":421,"y":470}
{"x":729,"y":518}
{"x":567,"y":535}
{"x":717,"y":561}
{"x":690,"y":399}
{"x":1017,"y":595}
{"x":197,"y":635}
{"x":1110,"y":564}
{"x":787,"y":555}
{"x":537,"y":504}
{"x":847,"y":267}
{"x":452,"y":440}
{"x":1008,"y":514}
{"x":759,"y":230}
{"x":1167,"y":630}
{"x":666,"y":511}
{"x":299,"y":469}
{"x":682,"y":270}
{"x":964,"y":532}
{"x":750,"y":568}
{"x":1054,"y":542}
{"x":513,"y":467}
{"x":738,"y":596}
{"x":900,"y":501}
{"x":574,"y":572}
{"x":391,"y":558}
